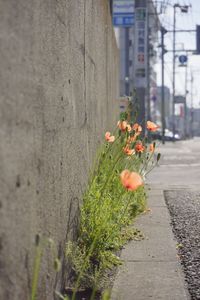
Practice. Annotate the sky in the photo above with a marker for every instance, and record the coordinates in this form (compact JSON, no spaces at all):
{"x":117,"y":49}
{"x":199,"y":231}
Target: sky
{"x":183,"y":41}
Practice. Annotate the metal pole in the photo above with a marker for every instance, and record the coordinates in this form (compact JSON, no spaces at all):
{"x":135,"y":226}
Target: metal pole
{"x":192,"y":113}
{"x":127,"y":79}
{"x":174,"y":61}
{"x":163,"y":85}
{"x":183,"y":30}
{"x":185,"y":104}
{"x":148,"y":67}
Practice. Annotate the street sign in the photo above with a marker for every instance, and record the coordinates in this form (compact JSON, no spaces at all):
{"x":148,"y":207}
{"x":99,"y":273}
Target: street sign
{"x":140,"y":45}
{"x":183,"y":59}
{"x":123,"y":13}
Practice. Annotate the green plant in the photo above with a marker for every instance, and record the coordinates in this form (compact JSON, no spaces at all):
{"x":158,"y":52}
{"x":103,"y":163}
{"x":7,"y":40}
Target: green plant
{"x":110,"y":205}
{"x":40,"y":245}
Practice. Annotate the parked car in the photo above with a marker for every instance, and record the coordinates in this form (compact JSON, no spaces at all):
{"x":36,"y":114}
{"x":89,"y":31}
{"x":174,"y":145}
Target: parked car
{"x":168,"y":135}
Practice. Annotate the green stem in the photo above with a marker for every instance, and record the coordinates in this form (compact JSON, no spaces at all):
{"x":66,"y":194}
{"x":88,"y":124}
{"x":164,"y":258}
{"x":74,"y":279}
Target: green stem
{"x":36,"y":271}
{"x":120,"y":218}
{"x":110,"y":175}
{"x":93,"y":293}
{"x":126,"y":207}
{"x":99,"y":164}
{"x":150,"y":169}
{"x":147,"y":162}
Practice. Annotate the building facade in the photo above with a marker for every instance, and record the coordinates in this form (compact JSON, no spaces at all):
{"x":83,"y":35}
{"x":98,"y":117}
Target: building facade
{"x":137,"y":45}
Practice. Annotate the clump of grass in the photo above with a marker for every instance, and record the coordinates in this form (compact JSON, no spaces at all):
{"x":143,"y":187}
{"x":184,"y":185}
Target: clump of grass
{"x":110,"y":204}
{"x":40,"y":244}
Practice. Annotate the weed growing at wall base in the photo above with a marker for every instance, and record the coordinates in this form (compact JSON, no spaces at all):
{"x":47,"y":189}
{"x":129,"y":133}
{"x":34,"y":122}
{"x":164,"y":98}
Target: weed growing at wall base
{"x":114,"y":197}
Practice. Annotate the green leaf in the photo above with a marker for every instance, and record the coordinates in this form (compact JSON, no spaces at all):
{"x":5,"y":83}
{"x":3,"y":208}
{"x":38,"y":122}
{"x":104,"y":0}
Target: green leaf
{"x":158,"y":157}
{"x":37,"y":239}
{"x":57,"y":265}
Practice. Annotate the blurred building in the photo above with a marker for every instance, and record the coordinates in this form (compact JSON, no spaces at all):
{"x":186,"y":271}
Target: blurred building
{"x":137,"y":45}
{"x":157,"y":107}
{"x":125,"y":41}
{"x":195,"y":121}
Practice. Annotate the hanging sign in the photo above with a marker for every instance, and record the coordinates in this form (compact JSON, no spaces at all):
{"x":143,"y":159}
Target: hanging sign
{"x":123,"y":13}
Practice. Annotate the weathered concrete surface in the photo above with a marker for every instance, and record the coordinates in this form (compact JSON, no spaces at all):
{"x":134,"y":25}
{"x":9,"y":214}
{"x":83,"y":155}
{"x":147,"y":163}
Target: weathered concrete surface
{"x":58,"y":82}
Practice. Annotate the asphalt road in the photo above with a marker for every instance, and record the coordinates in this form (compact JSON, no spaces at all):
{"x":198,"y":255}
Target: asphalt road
{"x":179,"y":165}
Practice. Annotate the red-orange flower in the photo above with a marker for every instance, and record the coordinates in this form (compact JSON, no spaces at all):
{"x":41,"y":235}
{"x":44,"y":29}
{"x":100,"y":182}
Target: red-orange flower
{"x":109,"y":138}
{"x":122,"y":125}
{"x":152,"y":126}
{"x":129,"y":128}
{"x":151,"y":147}
{"x":132,"y":139}
{"x":139,"y":147}
{"x":128,"y":151}
{"x":137,"y":128}
{"x":130,"y":180}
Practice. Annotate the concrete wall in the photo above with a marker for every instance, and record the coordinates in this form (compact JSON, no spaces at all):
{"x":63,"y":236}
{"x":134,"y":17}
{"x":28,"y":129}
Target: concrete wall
{"x":58,"y":82}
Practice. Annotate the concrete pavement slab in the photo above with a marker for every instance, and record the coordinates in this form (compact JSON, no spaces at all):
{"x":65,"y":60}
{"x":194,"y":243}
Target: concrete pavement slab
{"x":156,"y":199}
{"x":143,"y":280}
{"x":149,"y":280}
{"x":151,"y":268}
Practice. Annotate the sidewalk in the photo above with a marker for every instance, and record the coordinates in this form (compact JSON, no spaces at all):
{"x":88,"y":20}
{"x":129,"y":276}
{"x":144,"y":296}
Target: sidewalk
{"x":151,"y":267}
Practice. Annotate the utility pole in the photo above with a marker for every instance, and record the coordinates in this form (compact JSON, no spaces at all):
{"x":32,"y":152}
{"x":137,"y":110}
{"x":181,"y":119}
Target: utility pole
{"x":184,"y":9}
{"x":185,"y":104}
{"x":163,"y":32}
{"x":191,"y":111}
{"x":127,"y":75}
{"x":148,"y":66}
{"x":173,"y":78}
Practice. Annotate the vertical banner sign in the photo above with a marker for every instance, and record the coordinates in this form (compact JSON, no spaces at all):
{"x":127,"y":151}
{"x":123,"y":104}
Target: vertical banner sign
{"x":123,"y":13}
{"x":140,"y":57}
{"x":198,"y":39}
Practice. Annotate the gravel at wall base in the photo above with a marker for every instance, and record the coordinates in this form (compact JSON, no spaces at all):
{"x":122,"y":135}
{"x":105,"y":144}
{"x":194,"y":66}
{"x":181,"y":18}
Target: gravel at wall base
{"x":184,"y":208}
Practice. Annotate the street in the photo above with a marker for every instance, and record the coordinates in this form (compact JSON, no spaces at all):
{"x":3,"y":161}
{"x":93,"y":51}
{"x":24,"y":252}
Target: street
{"x":179,"y":167}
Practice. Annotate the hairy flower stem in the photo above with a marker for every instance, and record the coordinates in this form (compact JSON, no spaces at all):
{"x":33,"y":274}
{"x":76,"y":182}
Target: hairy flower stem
{"x":101,"y":158}
{"x":36,"y":271}
{"x":150,"y":169}
{"x":126,"y":207}
{"x":110,"y":175}
{"x":122,"y":215}
{"x":93,"y":293}
{"x":146,"y":163}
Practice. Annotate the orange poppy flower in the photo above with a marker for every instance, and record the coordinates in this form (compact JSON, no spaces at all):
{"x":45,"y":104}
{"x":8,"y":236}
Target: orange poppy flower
{"x":109,"y":138}
{"x":130,"y":180}
{"x":139,"y":147}
{"x":129,"y":128}
{"x":152,"y":126}
{"x":122,"y":125}
{"x":131,"y":139}
{"x":137,"y":128}
{"x":128,"y":151}
{"x":151,"y":147}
